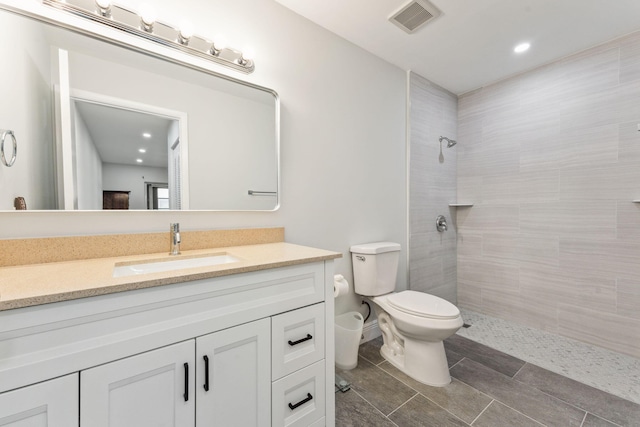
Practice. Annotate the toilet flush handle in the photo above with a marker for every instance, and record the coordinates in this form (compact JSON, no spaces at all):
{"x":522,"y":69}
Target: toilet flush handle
{"x":361,"y":258}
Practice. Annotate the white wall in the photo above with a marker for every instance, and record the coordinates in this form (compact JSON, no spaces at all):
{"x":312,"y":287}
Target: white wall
{"x":343,"y":138}
{"x":118,"y":177}
{"x":88,"y":167}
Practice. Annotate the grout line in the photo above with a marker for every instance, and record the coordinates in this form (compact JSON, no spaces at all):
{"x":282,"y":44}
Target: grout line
{"x":482,"y":412}
{"x":371,"y":404}
{"x":407,"y":401}
{"x":521,"y":367}
{"x":523,"y":414}
{"x":583,"y":419}
{"x":452,"y":366}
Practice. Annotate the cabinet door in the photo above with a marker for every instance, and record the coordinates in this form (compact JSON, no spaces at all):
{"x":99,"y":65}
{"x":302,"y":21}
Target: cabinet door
{"x":237,"y":390}
{"x":52,"y":403}
{"x":153,"y":389}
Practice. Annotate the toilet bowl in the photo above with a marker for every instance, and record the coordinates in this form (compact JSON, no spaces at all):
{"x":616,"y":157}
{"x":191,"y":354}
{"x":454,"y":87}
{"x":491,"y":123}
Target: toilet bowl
{"x":413,"y":324}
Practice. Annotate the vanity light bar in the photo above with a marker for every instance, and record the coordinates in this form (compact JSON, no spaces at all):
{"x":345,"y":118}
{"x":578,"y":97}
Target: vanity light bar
{"x":127,"y":20}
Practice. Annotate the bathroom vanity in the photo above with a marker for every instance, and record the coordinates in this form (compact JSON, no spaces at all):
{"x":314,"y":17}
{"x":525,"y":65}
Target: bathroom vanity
{"x":244,"y":343}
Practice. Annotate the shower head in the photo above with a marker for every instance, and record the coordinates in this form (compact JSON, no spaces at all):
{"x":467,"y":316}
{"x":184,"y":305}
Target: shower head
{"x":450,"y":142}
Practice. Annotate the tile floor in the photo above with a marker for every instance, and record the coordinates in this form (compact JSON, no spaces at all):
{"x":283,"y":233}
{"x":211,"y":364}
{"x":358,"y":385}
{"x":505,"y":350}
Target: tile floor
{"x":489,"y":388}
{"x":603,"y":369}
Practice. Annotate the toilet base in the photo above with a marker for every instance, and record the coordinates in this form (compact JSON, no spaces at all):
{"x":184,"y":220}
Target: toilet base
{"x":421,"y":360}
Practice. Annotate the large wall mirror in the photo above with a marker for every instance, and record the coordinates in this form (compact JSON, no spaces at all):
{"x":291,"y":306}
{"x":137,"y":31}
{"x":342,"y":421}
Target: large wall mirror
{"x":102,"y":126}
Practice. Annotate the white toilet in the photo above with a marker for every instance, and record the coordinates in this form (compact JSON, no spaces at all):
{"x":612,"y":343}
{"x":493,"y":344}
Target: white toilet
{"x":413,"y":324}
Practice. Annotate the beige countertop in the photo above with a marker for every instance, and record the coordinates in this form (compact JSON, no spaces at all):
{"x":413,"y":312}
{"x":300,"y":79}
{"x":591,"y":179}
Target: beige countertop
{"x":35,"y":284}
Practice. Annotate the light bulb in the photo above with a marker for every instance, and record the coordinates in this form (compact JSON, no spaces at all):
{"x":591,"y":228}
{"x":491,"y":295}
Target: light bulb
{"x":219,"y":44}
{"x":248,"y":53}
{"x":147,"y":16}
{"x":522,"y":47}
{"x":186,"y":32}
{"x":103,"y":4}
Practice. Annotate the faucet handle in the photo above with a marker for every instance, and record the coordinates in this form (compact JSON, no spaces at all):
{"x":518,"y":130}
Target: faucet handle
{"x":174,"y":227}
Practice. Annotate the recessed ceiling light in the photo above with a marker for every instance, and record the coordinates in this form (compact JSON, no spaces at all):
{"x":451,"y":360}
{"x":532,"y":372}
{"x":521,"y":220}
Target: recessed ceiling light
{"x":142,"y":150}
{"x":139,"y":160}
{"x":146,"y":135}
{"x":522,"y":47}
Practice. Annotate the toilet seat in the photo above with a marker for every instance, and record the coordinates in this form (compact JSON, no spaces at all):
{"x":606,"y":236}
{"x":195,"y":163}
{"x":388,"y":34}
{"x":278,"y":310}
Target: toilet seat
{"x":423,"y":305}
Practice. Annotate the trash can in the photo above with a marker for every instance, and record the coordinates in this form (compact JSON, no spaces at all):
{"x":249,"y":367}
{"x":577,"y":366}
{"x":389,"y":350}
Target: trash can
{"x":348,"y":328}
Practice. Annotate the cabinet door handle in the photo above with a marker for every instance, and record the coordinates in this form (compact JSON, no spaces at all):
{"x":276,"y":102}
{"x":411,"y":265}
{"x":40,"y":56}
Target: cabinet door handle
{"x":307,"y":338}
{"x":186,"y":382}
{"x":302,"y":402}
{"x":206,"y":372}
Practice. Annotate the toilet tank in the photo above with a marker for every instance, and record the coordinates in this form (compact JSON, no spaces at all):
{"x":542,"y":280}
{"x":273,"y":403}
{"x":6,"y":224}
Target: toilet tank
{"x":375,"y":266}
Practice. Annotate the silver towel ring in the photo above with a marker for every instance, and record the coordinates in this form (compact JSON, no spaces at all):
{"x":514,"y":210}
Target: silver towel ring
{"x":3,"y":137}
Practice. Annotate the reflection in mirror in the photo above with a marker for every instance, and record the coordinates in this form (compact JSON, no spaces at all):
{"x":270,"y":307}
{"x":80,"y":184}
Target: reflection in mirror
{"x":81,"y":108}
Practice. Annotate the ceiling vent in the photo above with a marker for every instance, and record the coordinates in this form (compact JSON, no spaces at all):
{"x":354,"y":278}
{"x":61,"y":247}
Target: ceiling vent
{"x":414,"y":15}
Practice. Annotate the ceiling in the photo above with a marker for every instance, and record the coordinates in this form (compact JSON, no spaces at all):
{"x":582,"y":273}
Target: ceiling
{"x":471,"y":43}
{"x":117,"y":134}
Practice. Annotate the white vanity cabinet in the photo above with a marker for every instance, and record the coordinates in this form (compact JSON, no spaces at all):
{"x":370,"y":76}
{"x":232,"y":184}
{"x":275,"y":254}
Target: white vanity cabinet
{"x":237,"y":350}
{"x":233,"y":376}
{"x":50,"y":403}
{"x":150,"y":389}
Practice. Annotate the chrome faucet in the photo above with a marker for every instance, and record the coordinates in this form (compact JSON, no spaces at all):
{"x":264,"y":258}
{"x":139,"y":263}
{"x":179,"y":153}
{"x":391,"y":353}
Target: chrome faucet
{"x":174,"y":229}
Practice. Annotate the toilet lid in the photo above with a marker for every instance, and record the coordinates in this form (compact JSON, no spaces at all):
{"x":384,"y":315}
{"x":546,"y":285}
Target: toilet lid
{"x":423,"y":305}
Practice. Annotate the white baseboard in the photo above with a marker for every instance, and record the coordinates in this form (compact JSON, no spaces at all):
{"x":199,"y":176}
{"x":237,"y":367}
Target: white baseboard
{"x":370,"y":331}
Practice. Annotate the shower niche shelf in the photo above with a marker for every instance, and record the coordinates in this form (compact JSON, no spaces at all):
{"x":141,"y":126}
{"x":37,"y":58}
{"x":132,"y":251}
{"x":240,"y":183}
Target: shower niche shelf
{"x":636,"y":201}
{"x":460,"y":205}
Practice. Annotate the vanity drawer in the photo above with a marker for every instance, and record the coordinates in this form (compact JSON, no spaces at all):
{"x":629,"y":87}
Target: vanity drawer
{"x":297,"y":340}
{"x":299,"y":399}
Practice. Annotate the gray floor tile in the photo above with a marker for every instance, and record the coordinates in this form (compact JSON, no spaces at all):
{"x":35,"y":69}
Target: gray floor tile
{"x":494,"y":359}
{"x":452,"y":357}
{"x":353,"y":411}
{"x":597,"y":402}
{"x":528,"y":400}
{"x":593,"y":421}
{"x":376,"y":386}
{"x":421,"y":412}
{"x":371,"y":351}
{"x":461,"y":400}
{"x":499,"y":415}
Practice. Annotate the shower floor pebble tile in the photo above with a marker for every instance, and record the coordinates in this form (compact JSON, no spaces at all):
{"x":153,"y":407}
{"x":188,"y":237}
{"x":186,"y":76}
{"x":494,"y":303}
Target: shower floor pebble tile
{"x":603,"y":369}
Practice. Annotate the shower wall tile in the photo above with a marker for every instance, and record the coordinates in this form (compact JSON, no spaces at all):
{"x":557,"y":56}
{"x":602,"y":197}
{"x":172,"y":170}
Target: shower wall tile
{"x":577,"y":288}
{"x":630,"y":58}
{"x":432,"y":186}
{"x":628,"y":221}
{"x":495,"y":275}
{"x":629,"y":145}
{"x":586,"y":218}
{"x":606,"y":330}
{"x":628,"y":298}
{"x":496,"y":218}
{"x":540,"y":313}
{"x":551,"y":161}
{"x":525,"y":249}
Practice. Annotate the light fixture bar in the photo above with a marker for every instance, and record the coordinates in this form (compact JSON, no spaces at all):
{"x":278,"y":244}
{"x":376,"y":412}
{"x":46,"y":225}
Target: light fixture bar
{"x":129,"y":21}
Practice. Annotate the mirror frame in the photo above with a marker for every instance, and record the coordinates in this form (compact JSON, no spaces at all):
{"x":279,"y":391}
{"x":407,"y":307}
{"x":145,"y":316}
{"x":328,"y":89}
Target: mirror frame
{"x":39,"y":12}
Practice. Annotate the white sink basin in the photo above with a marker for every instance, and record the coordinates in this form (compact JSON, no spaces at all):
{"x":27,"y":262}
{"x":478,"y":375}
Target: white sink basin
{"x":153,"y":266}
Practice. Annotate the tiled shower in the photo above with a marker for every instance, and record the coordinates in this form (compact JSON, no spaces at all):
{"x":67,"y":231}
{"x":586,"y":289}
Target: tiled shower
{"x":550,"y":160}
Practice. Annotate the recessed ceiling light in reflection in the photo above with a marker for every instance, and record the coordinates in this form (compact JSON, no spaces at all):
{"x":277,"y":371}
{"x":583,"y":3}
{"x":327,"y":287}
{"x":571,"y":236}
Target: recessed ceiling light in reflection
{"x":139,"y":160}
{"x":522,"y":47}
{"x":146,"y":135}
{"x":142,"y":150}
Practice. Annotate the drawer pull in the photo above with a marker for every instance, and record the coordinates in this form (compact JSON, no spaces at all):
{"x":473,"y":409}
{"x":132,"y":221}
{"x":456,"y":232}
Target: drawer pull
{"x":206,"y":372}
{"x":302,"y":402}
{"x":307,"y":338}
{"x":186,"y":382}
